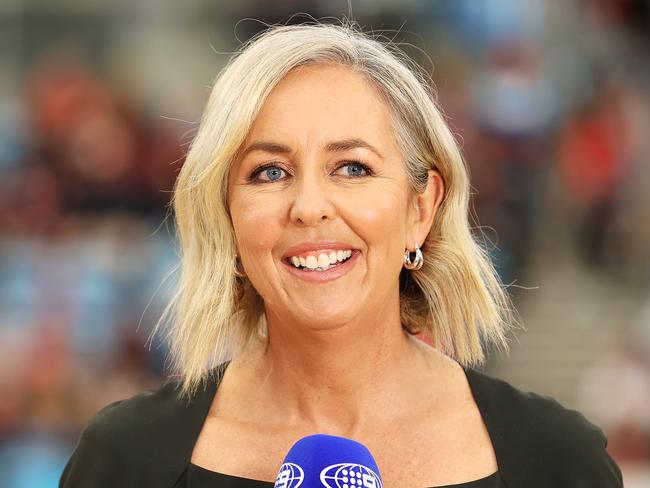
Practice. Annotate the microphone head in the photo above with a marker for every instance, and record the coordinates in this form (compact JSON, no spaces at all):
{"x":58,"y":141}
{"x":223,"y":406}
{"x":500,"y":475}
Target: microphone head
{"x":327,"y":461}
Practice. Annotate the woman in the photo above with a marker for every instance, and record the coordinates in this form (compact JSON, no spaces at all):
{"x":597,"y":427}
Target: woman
{"x":322,"y":213}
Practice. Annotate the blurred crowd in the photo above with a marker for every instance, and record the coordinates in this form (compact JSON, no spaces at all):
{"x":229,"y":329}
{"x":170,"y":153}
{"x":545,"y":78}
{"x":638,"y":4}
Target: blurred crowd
{"x":83,"y":250}
{"x":548,"y":100}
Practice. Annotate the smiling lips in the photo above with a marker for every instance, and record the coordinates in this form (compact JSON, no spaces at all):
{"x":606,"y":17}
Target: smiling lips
{"x":320,"y":264}
{"x":321,"y":261}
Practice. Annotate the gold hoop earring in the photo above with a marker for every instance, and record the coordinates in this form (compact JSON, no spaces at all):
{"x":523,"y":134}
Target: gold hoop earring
{"x":417,"y":262}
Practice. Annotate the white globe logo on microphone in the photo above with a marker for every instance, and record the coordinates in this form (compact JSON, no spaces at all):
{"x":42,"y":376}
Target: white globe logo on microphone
{"x":290,"y":476}
{"x":348,"y":475}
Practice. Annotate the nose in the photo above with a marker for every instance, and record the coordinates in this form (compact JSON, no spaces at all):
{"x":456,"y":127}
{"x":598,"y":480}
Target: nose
{"x":312,"y":202}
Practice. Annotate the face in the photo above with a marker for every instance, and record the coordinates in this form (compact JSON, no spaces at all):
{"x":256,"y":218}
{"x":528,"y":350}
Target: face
{"x":320,"y":202}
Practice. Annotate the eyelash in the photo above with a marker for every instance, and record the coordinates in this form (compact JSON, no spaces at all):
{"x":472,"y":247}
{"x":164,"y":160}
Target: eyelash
{"x":257,"y":171}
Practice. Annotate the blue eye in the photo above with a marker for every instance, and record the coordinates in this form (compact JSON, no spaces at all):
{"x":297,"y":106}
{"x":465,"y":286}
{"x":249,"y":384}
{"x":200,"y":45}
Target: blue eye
{"x":268,"y":174}
{"x":355,"y":169}
{"x":273,"y":173}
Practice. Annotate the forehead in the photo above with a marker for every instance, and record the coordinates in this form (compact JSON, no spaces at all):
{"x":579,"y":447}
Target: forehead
{"x":325,"y":102}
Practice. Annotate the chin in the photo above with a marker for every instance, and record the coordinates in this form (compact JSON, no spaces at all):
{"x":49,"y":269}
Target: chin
{"x":325,"y":317}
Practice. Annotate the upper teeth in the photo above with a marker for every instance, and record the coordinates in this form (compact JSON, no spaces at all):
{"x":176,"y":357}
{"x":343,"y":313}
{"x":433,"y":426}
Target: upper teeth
{"x":323,"y":260}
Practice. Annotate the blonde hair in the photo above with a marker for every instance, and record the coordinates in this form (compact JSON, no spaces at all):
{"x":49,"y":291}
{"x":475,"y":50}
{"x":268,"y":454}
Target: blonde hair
{"x":456,"y":296}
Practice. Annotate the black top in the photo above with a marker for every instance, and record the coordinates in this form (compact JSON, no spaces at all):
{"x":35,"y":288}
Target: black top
{"x":198,"y":477}
{"x":147,"y":441}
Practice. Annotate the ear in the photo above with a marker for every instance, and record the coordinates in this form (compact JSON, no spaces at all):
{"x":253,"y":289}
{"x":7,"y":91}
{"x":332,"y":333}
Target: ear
{"x":423,"y":209}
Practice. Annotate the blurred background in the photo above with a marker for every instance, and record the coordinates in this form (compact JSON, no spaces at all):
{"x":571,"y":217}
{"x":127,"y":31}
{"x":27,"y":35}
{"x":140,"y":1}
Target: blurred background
{"x":99,"y":101}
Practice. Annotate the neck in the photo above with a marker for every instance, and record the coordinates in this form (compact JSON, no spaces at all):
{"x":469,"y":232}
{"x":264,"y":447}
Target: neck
{"x":339,"y":380}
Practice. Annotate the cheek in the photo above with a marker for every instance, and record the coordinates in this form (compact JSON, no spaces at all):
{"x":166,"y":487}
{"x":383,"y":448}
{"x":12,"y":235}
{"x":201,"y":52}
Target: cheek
{"x":256,"y":226}
{"x":380,"y":219}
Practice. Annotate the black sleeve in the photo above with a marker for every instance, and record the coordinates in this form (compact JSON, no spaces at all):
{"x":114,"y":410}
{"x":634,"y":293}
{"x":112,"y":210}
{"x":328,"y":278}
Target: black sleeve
{"x":96,"y":462}
{"x":613,"y":472}
{"x":594,"y":462}
{"x":540,"y":443}
{"x":140,"y":442}
{"x":574,"y":447}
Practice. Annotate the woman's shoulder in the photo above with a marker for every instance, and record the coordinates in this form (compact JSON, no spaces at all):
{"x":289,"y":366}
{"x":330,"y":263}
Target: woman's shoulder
{"x":527,"y":411}
{"x":534,"y":435}
{"x":146,"y":439}
{"x":135,"y":420}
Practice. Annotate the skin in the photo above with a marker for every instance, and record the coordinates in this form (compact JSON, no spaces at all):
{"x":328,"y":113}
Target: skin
{"x":337,"y":359}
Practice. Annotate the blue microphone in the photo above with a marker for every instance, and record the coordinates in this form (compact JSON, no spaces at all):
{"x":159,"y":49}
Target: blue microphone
{"x":327,"y":461}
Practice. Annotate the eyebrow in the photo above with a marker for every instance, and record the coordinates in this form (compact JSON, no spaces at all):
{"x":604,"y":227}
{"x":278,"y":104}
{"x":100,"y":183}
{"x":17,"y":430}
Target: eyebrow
{"x":271,"y":147}
{"x":352,"y":143}
{"x":334,"y":146}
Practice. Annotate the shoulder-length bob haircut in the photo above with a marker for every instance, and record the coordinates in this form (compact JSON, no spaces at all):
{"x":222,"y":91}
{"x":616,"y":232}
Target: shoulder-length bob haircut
{"x":456,"y":297}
